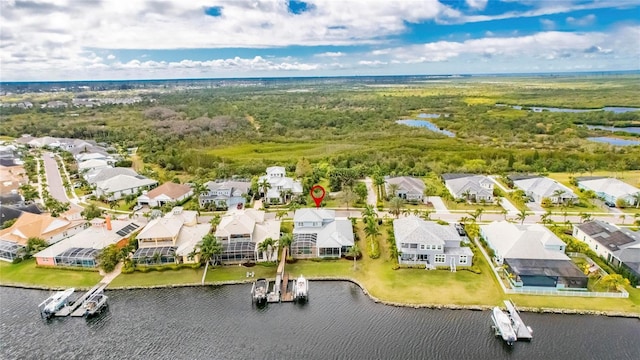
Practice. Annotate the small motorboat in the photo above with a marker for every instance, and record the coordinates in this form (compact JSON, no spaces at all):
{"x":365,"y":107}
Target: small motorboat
{"x":301,"y":289}
{"x":55,"y":302}
{"x":502,"y":326}
{"x":259,"y":291}
{"x":95,"y":303}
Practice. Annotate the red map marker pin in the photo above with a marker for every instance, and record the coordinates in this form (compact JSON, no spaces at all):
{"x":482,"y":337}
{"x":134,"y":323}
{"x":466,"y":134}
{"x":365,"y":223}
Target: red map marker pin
{"x":317,"y":198}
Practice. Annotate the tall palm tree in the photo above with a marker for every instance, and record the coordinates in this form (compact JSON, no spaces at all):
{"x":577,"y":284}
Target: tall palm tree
{"x":267,"y":246}
{"x":395,"y":206}
{"x":545,"y":218}
{"x":622,"y":218}
{"x":264,"y":185}
{"x":393,"y":190}
{"x":557,"y":194}
{"x":636,"y":198}
{"x":426,"y":214}
{"x":372,"y":232}
{"x":209,"y":248}
{"x":285,"y":242}
{"x":522,"y":215}
{"x":369,"y":212}
{"x":355,"y":252}
{"x":586,"y":217}
{"x":215,"y":221}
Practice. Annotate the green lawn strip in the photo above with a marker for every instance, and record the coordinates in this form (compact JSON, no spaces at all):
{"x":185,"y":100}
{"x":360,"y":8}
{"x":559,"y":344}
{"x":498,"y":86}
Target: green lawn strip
{"x":26,"y":273}
{"x":158,"y":278}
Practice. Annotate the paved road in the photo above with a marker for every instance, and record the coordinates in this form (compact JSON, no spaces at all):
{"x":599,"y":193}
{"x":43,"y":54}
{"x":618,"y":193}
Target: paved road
{"x":54,"y":181}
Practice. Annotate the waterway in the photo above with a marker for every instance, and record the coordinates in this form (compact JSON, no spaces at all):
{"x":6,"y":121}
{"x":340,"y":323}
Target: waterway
{"x":426,"y":123}
{"x":339,"y":322}
{"x":613,"y":109}
{"x":614,"y":141}
{"x":630,"y":130}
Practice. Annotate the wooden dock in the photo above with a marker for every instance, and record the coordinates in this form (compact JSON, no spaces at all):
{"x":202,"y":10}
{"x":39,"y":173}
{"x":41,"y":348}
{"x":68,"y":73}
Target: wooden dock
{"x":523,"y":332}
{"x":75,"y":309}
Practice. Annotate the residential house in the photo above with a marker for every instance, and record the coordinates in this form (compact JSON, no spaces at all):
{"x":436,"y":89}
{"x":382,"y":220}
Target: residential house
{"x":225,"y":194}
{"x":470,"y":187}
{"x":98,"y":175}
{"x":429,"y":243}
{"x":93,"y":164}
{"x":241,"y":231}
{"x":538,"y":188}
{"x":619,"y":246}
{"x":281,"y":187}
{"x":171,"y":238}
{"x":82,"y":248}
{"x":610,"y":189}
{"x":408,"y":188}
{"x":13,"y":211}
{"x":532,"y":255}
{"x":167,"y":193}
{"x":119,"y":186}
{"x":318,"y":233}
{"x":50,"y":229}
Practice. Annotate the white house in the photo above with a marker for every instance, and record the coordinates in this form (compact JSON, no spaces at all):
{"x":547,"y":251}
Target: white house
{"x":429,"y":243}
{"x":619,"y":246}
{"x":533,"y":254}
{"x":93,"y":164}
{"x":166,"y":193}
{"x":409,"y":188}
{"x":475,"y":188}
{"x":241,"y":231}
{"x":121,"y":185}
{"x":610,"y":189}
{"x":318,"y":233}
{"x":280,"y":186}
{"x":225,"y":194}
{"x":539,"y":188}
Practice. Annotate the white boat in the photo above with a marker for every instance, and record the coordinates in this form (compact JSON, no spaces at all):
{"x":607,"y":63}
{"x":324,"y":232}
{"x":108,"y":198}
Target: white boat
{"x":95,"y":303}
{"x":502,"y":326}
{"x":259,"y":291}
{"x":55,"y":302}
{"x":301,"y":289}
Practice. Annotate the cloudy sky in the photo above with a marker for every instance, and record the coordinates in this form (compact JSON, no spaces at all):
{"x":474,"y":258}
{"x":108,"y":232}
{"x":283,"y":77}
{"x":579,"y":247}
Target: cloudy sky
{"x":158,"y":39}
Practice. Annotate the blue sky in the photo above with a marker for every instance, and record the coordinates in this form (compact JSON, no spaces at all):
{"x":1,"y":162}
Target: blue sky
{"x":157,"y":39}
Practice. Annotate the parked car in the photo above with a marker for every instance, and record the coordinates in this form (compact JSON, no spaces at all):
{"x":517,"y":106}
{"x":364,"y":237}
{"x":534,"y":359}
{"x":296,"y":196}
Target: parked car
{"x":137,"y":207}
{"x":460,"y":229}
{"x":609,"y":204}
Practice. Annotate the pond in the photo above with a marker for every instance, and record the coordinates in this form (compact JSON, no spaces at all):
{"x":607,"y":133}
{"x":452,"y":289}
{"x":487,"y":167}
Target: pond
{"x":425,"y":124}
{"x":613,"y":109}
{"x":631,"y":130}
{"x":614,"y":141}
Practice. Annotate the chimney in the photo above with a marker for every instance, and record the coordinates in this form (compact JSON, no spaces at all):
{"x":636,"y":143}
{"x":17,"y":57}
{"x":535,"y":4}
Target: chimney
{"x":108,"y":221}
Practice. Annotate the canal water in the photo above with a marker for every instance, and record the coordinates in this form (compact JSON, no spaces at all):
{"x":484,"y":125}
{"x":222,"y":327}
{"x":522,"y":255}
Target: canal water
{"x":339,"y":322}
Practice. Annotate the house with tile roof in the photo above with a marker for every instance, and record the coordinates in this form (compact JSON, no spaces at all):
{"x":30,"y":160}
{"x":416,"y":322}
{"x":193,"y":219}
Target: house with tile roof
{"x":119,"y":186}
{"x":81,"y":249}
{"x":97,"y":175}
{"x":171,"y":238}
{"x":241,"y":231}
{"x":619,"y":246}
{"x":409,"y":188}
{"x":610,"y":189}
{"x":429,"y":243}
{"x":470,"y":187}
{"x":318,"y":233}
{"x":538,"y":188}
{"x":43,"y":226}
{"x":532,"y":255}
{"x":167,"y":193}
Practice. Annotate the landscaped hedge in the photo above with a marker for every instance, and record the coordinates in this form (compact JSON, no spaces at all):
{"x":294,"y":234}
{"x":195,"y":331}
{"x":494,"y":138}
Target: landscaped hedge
{"x":146,"y":269}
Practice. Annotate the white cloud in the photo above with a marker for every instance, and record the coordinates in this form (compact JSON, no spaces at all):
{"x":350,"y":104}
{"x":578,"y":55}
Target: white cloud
{"x":331,"y":54}
{"x":548,"y":24}
{"x":477,"y":4}
{"x":583,"y":21}
{"x":111,"y":57}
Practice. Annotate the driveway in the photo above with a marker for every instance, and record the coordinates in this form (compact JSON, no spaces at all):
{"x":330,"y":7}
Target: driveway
{"x":372,"y":196}
{"x":507,"y":205}
{"x":438,"y":204}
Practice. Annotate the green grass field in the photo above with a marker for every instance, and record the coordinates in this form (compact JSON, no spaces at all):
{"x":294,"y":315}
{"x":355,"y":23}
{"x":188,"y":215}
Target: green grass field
{"x":26,"y":273}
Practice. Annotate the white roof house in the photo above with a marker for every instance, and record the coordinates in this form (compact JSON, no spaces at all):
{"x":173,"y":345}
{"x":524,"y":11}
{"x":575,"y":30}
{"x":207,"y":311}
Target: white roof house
{"x":528,"y":241}
{"x":429,"y":243}
{"x":241,"y":231}
{"x":93,"y":164}
{"x":469,"y":186}
{"x":82,"y":157}
{"x":318,"y":233}
{"x":542,"y":187}
{"x":79,"y":249}
{"x":610,"y":189}
{"x":96,"y":175}
{"x":409,"y":188}
{"x":279,"y":182}
{"x":120,"y":185}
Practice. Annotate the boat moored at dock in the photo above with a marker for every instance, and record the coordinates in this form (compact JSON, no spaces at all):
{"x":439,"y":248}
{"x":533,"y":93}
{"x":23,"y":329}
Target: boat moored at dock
{"x":502,"y":326}
{"x":259,"y":291}
{"x":301,"y":289}
{"x":55,"y":302}
{"x":95,"y":303}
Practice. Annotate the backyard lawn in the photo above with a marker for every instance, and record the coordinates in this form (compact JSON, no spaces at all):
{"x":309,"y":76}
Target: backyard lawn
{"x":27,"y":273}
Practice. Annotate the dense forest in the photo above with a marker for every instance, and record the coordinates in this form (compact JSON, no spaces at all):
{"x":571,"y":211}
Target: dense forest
{"x":219,"y":132}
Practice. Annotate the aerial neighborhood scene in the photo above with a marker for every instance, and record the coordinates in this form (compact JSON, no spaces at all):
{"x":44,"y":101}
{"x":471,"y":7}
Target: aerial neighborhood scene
{"x":303,"y":173}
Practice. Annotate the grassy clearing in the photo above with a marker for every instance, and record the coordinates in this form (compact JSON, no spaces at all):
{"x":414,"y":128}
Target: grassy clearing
{"x":26,"y":273}
{"x":287,"y":152}
{"x":156,"y":278}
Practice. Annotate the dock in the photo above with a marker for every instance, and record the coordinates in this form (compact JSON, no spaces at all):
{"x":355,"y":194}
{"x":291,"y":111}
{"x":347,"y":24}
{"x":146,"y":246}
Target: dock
{"x":75,"y":309}
{"x":522,"y":331}
{"x":282,"y":290}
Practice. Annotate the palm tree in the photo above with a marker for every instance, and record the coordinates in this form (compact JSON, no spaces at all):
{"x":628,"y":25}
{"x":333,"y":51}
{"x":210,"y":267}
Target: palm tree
{"x":215,"y":221}
{"x":285,"y":242}
{"x":477,"y":214}
{"x":557,"y":194}
{"x":426,"y":214}
{"x":622,"y":218}
{"x":372,"y":232}
{"x":393,"y":189}
{"x":522,"y":215}
{"x":544,"y":218}
{"x":355,"y":252}
{"x":267,"y":246}
{"x":285,"y":194}
{"x":209,"y":248}
{"x":198,"y":189}
{"x":369,"y":212}
{"x":467,"y":194}
{"x":395,"y":206}
{"x":586,"y":217}
{"x":636,"y":198}
{"x":504,"y":213}
{"x":265,"y":186}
